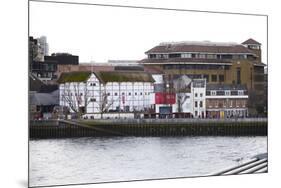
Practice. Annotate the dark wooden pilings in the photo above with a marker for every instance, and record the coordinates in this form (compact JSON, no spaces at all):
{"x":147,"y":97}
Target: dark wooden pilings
{"x":63,"y":129}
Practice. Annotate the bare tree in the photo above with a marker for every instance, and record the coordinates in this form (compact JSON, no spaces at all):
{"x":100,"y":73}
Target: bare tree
{"x":180,"y":86}
{"x":78,"y":100}
{"x":181,"y":98}
{"x":104,"y":104}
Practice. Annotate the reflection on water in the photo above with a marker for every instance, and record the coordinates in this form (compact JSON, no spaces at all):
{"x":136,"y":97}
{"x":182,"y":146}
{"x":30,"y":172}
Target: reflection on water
{"x":91,"y":160}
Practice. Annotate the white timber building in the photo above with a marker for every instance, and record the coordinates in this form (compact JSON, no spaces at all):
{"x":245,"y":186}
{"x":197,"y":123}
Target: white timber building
{"x":108,"y":94}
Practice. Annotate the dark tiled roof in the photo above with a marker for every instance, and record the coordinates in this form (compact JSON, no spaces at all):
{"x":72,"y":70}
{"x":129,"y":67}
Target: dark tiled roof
{"x":187,"y":60}
{"x":226,"y":87}
{"x":251,"y":41}
{"x":44,"y":98}
{"x":34,"y":83}
{"x":200,"y":48}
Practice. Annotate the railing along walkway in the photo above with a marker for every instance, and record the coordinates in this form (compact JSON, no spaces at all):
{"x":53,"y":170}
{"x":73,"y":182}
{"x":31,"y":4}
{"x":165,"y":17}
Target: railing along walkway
{"x":257,"y":164}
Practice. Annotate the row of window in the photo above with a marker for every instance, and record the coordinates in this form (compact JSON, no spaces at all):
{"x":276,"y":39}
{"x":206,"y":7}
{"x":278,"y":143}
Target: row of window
{"x":225,"y":103}
{"x":197,"y":55}
{"x":197,"y":67}
{"x":200,"y":104}
{"x":196,"y":94}
{"x":223,"y":93}
{"x":129,"y":93}
{"x":94,"y":84}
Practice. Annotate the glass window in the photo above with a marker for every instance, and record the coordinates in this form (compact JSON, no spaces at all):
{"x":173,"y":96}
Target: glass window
{"x":213,"y":93}
{"x":201,"y":94}
{"x":214,"y":77}
{"x":115,"y":94}
{"x":227,"y":92}
{"x":196,"y":104}
{"x":201,"y":103}
{"x":221,"y":78}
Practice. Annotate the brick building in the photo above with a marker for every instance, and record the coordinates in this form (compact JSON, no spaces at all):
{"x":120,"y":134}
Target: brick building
{"x":225,"y":63}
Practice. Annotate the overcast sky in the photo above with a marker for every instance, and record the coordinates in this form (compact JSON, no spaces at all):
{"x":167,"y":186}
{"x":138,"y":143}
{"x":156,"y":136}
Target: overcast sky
{"x":98,"y":33}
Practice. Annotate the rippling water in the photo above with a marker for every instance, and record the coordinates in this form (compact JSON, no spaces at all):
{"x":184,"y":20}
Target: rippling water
{"x":92,"y":160}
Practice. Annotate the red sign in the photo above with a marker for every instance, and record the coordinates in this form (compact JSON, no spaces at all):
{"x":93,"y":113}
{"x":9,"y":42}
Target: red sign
{"x":165,"y":98}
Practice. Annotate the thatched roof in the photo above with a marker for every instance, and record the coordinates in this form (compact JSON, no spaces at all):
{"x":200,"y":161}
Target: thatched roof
{"x":106,"y":76}
{"x":130,"y":76}
{"x":78,"y":76}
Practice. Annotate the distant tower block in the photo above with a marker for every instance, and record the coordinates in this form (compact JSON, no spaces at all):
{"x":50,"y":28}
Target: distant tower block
{"x":44,"y":45}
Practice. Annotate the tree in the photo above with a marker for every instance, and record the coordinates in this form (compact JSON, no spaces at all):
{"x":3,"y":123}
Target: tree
{"x":104,"y":104}
{"x":78,"y":98}
{"x":181,"y":85}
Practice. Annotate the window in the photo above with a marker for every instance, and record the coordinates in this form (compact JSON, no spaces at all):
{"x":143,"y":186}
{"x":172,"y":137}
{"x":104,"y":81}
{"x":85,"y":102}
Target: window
{"x":201,"y":94}
{"x":123,"y":93}
{"x":196,"y":104}
{"x":214,"y":77}
{"x":140,"y":93}
{"x":196,"y":94}
{"x":129,"y":93}
{"x":185,"y":55}
{"x":201,"y":104}
{"x":202,"y":56}
{"x":227,"y":92}
{"x":115,"y":94}
{"x":93,"y":84}
{"x":108,"y":94}
{"x":196,"y":113}
{"x":240,"y":92}
{"x":213,"y":93}
{"x":238,"y":74}
{"x":136,"y":93}
{"x":221,"y":78}
{"x":93,"y":100}
{"x":220,"y":93}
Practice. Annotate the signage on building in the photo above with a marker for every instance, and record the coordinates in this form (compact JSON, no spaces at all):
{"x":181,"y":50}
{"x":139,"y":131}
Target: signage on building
{"x":165,"y":98}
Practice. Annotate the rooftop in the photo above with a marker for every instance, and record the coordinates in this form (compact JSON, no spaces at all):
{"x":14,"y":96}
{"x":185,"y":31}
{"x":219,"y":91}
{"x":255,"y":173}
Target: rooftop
{"x":205,"y":47}
{"x":251,"y":41}
{"x":123,"y":76}
{"x":106,"y":76}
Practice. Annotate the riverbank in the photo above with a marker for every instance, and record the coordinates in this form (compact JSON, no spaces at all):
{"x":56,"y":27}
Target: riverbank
{"x":147,"y":127}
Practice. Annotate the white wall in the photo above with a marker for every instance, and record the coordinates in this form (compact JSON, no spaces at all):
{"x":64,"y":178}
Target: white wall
{"x":134,"y":95}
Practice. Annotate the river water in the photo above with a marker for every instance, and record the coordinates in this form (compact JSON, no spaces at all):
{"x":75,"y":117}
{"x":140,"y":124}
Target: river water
{"x":92,"y":160}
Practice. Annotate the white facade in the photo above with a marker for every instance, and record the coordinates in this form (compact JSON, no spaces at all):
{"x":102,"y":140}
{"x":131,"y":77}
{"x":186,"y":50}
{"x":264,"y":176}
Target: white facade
{"x":99,"y":97}
{"x":198,"y":98}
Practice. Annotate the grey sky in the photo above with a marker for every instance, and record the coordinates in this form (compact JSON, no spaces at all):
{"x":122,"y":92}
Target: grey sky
{"x":101,"y":33}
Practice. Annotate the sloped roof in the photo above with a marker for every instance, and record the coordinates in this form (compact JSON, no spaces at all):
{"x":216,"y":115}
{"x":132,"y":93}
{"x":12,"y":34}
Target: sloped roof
{"x":77,"y":76}
{"x":44,"y":98}
{"x":130,"y":76}
{"x":185,"y":47}
{"x":107,"y":76}
{"x":34,"y":83}
{"x":251,"y":41}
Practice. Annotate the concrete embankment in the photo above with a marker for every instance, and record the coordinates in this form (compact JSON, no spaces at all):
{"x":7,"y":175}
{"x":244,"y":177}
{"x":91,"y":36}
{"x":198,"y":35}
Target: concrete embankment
{"x":206,"y":127}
